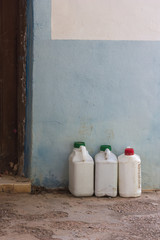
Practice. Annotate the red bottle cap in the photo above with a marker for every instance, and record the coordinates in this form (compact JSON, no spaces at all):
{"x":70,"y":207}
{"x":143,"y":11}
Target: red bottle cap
{"x":129,"y":151}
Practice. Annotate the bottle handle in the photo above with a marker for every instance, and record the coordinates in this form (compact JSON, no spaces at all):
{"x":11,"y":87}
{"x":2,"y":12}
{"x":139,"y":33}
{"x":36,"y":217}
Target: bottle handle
{"x":84,"y":153}
{"x":107,"y":153}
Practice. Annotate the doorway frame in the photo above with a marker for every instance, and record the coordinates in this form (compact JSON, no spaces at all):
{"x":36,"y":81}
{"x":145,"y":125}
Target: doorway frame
{"x":21,"y":82}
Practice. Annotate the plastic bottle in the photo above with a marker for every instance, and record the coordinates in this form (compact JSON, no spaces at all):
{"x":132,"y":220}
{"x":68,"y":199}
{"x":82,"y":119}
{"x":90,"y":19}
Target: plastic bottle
{"x":106,"y":170}
{"x":129,"y":174}
{"x":81,"y":171}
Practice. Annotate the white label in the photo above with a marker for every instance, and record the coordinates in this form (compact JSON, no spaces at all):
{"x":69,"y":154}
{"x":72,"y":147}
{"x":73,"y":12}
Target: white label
{"x":106,"y":19}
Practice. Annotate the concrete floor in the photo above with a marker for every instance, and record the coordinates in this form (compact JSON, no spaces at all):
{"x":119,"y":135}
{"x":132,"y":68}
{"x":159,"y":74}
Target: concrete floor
{"x":59,"y":216}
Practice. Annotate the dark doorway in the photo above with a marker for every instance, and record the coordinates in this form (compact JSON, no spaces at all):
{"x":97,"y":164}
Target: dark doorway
{"x":12,"y":85}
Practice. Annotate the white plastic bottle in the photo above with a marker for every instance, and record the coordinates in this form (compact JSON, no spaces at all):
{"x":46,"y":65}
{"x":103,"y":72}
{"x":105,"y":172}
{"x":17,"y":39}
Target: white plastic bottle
{"x":81,"y":171}
{"x":106,"y":170}
{"x":129,"y":174}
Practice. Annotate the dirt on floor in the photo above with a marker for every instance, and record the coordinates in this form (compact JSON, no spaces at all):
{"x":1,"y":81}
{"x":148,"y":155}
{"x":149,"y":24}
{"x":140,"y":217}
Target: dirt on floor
{"x":60,"y":216}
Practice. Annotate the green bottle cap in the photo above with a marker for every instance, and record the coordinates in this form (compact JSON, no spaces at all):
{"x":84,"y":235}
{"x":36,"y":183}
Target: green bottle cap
{"x":78,"y":144}
{"x":104,"y":147}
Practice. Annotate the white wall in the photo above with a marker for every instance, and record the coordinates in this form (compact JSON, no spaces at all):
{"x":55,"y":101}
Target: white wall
{"x":106,"y":19}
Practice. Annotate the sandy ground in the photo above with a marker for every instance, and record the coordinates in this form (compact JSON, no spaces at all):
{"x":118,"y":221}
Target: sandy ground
{"x":59,"y":216}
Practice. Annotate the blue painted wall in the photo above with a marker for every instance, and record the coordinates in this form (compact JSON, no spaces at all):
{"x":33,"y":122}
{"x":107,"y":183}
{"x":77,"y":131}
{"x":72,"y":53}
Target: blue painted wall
{"x":101,"y":92}
{"x":29,"y":74}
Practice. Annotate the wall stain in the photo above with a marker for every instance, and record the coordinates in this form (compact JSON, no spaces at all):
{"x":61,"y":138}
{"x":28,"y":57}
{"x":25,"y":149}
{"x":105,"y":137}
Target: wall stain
{"x":109,"y":134}
{"x":85,"y":130}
